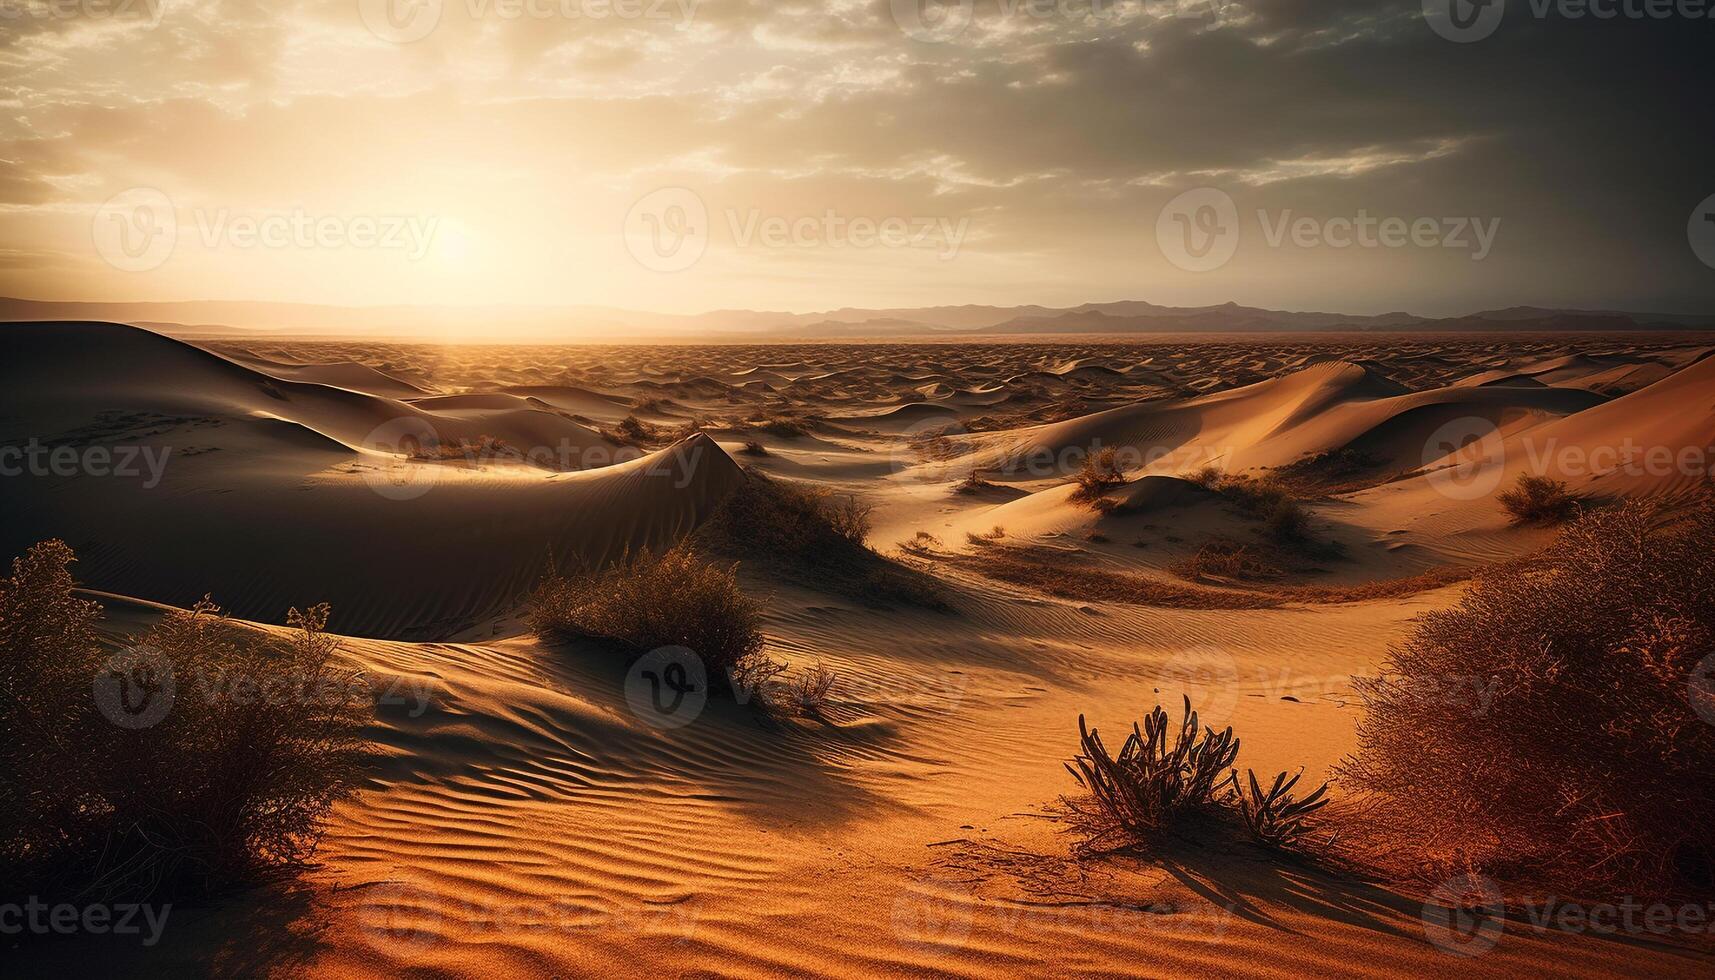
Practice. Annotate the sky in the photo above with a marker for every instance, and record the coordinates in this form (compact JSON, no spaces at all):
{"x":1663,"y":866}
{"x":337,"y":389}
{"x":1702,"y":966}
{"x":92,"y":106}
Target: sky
{"x":686,"y":155}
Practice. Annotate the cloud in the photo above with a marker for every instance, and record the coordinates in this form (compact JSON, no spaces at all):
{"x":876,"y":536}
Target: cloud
{"x":1056,"y":128}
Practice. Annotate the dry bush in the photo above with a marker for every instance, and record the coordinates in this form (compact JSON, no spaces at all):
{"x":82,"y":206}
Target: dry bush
{"x":48,"y":658}
{"x":1342,"y":470}
{"x":1153,"y":783}
{"x":1555,"y":724}
{"x":231,"y":785}
{"x":470,"y":450}
{"x":754,"y":448}
{"x":1224,"y":559}
{"x":921,"y":544}
{"x":805,"y":534}
{"x":808,"y":692}
{"x":1275,"y":818}
{"x":648,"y":600}
{"x":972,"y":484}
{"x":1047,"y":570}
{"x":1099,"y":474}
{"x":1270,"y":501}
{"x":1208,"y":477}
{"x":850,"y":517}
{"x":1156,"y":787}
{"x":1539,"y":500}
{"x":786,"y":427}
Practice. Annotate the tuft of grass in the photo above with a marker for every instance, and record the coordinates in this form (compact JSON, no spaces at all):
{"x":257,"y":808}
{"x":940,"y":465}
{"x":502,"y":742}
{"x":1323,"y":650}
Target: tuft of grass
{"x":676,"y":598}
{"x":1554,"y":725}
{"x":1540,"y":500}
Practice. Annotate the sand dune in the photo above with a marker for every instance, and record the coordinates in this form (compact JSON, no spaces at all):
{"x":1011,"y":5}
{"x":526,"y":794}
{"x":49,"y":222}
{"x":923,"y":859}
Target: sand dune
{"x":521,"y":817}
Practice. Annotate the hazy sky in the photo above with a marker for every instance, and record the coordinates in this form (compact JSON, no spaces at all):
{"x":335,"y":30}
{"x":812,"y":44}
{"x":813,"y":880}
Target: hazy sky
{"x":680,"y":156}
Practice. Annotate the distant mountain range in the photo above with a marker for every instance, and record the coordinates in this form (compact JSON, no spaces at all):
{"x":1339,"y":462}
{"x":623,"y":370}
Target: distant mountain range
{"x":215,"y":318}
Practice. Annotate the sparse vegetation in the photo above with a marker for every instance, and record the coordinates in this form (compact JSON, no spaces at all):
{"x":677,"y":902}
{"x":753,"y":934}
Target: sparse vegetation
{"x":1160,"y":785}
{"x":754,"y":448}
{"x":807,"y":693}
{"x":1225,"y":560}
{"x":1099,"y":474}
{"x":1555,"y":724}
{"x":1209,"y":477}
{"x":849,"y":517}
{"x":470,"y":450}
{"x":675,"y":598}
{"x":809,"y":534}
{"x":1342,"y":470}
{"x":1540,"y":500}
{"x":1276,"y":818}
{"x":258,"y":738}
{"x":974,"y":483}
{"x":1153,"y":783}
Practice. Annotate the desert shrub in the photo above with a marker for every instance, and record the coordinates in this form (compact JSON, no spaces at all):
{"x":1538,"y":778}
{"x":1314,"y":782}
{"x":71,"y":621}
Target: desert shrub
{"x":648,"y":600}
{"x":1156,"y":787}
{"x":1153,"y":783}
{"x":1286,"y":520}
{"x":921,"y":543}
{"x":470,"y":450}
{"x":1539,"y":500}
{"x":1209,"y":477}
{"x":785,"y":427}
{"x":972,"y":483}
{"x":1099,"y":474}
{"x":633,"y":431}
{"x":849,"y":517}
{"x":48,"y":658}
{"x":807,"y":693}
{"x":1340,"y":470}
{"x":807,"y":534}
{"x":1555,"y":724}
{"x":1223,"y":559}
{"x":259,"y":739}
{"x":1270,"y":501}
{"x":1276,"y":818}
{"x":754,"y":448}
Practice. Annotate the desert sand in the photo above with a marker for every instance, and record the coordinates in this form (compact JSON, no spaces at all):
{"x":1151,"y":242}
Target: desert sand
{"x":522,"y":818}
